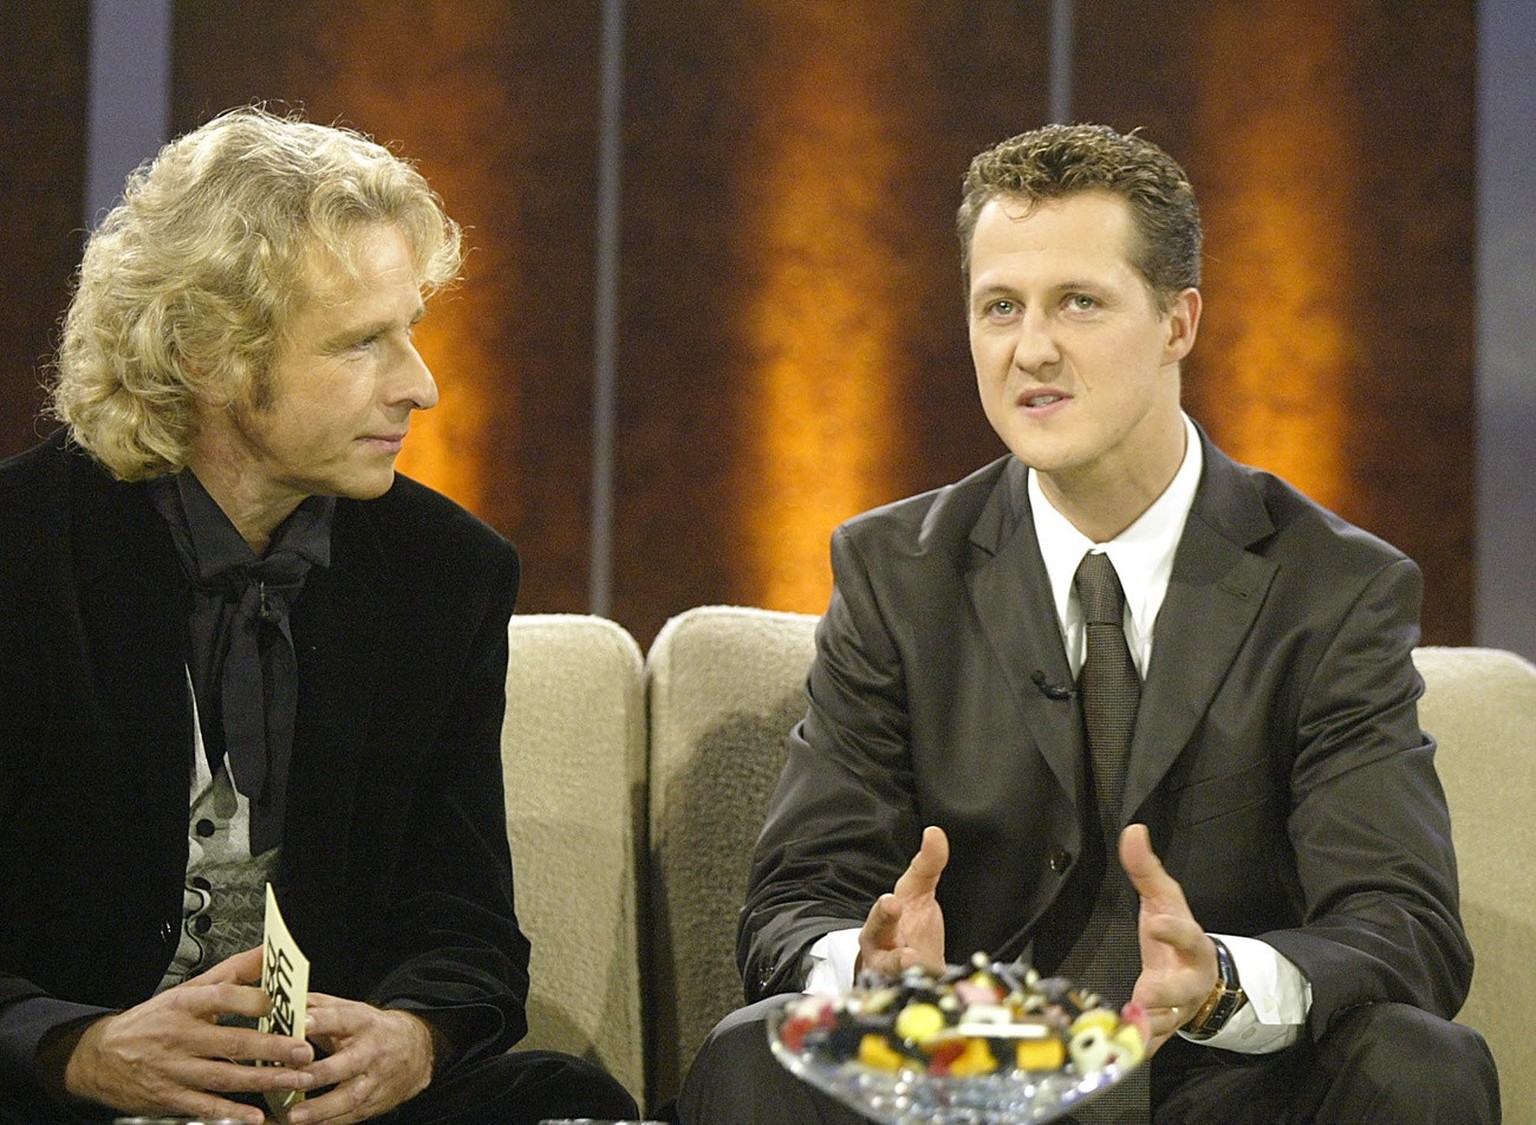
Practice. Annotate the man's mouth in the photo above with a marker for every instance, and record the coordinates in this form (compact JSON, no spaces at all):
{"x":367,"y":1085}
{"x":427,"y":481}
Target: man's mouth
{"x":1036,"y":399}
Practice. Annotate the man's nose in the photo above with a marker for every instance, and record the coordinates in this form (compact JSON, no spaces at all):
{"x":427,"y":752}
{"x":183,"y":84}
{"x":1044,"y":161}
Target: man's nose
{"x":1035,"y":346}
{"x":413,"y":382}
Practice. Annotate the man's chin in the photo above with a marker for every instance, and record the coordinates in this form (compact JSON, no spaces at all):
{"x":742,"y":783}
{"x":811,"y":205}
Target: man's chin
{"x":369,"y":487}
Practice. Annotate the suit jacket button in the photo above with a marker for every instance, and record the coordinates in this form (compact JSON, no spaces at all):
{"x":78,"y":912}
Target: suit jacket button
{"x":168,"y":933}
{"x":1060,"y":859}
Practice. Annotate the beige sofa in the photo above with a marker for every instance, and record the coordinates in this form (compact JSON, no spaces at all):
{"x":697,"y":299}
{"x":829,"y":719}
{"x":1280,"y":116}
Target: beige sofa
{"x":636,"y":784}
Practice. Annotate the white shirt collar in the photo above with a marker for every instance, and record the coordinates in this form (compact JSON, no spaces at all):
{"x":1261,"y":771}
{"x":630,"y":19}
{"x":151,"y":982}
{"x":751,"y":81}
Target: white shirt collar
{"x":1142,"y":555}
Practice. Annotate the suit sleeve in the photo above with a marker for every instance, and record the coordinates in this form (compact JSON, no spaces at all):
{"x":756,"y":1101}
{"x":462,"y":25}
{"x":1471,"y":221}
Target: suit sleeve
{"x":27,"y":1012}
{"x":843,"y":823}
{"x":1369,"y":825}
{"x":452,"y":943}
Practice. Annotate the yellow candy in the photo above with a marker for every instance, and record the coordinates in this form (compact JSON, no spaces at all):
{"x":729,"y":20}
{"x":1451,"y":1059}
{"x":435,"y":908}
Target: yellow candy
{"x":1128,"y":1039}
{"x":977,"y":1058}
{"x":876,"y":1052}
{"x":920,"y":1022}
{"x":1041,"y":1054}
{"x":1101,"y":1018}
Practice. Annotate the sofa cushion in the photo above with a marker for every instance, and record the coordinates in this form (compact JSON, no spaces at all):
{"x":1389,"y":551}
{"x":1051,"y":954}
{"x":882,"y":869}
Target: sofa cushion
{"x":573,"y":755}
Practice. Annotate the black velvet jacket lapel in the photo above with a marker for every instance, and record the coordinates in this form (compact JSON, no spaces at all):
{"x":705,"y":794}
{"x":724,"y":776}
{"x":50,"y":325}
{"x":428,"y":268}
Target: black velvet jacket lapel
{"x":336,"y":630}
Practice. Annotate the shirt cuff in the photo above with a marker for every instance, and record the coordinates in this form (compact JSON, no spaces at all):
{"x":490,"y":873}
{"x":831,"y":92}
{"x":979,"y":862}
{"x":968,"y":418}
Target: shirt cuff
{"x":1279,"y":998}
{"x":833,"y":957}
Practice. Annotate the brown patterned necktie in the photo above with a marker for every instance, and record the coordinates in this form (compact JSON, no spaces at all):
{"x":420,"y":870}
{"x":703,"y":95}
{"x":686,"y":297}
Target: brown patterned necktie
{"x":1109,"y":683}
{"x":1107,"y":958}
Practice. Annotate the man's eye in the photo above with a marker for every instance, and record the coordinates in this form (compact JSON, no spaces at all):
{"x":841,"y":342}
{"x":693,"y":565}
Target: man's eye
{"x":1002,"y":308}
{"x":1081,"y":302}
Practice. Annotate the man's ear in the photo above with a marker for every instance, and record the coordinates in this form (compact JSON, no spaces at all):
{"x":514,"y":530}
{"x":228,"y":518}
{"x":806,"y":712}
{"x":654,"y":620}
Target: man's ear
{"x":1183,"y":319}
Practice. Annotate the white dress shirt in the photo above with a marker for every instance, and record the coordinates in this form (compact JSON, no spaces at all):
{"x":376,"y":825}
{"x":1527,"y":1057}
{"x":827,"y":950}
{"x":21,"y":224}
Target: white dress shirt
{"x":1279,"y":996}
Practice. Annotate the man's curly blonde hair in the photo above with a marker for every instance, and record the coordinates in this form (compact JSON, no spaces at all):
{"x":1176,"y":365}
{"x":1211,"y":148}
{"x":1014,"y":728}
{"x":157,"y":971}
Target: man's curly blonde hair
{"x":186,"y":287}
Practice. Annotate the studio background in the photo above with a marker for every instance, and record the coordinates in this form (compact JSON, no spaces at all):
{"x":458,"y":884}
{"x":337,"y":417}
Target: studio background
{"x":713,"y":304}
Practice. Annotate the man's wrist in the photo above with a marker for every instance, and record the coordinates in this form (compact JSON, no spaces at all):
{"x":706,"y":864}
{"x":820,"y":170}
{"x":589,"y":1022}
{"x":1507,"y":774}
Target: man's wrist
{"x":437,"y":1023}
{"x":1225,"y":998}
{"x":55,"y":1051}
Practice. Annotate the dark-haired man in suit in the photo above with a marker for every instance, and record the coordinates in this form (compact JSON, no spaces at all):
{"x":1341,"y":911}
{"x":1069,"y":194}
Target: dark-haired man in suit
{"x":1264,"y":863}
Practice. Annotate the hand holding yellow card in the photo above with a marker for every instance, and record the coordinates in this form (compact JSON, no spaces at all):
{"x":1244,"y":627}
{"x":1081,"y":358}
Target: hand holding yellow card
{"x":285,"y":978}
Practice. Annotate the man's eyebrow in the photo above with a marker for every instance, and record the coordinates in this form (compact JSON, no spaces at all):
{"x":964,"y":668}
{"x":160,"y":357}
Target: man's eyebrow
{"x":1066,"y":285}
{"x":368,"y":329}
{"x":1080,"y":283}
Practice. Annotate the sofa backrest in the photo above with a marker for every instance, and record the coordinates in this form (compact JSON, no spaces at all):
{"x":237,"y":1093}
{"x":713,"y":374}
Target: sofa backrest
{"x":725,"y":684}
{"x":573,"y":757}
{"x":703,"y":725}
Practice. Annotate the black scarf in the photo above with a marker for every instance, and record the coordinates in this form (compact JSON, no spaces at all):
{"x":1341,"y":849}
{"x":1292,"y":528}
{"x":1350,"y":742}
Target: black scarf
{"x":244,"y":670}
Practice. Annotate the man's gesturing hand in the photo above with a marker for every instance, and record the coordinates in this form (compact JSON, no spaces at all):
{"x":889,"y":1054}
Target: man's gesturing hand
{"x":1178,"y":958}
{"x":171,"y":1055}
{"x":906,"y":927}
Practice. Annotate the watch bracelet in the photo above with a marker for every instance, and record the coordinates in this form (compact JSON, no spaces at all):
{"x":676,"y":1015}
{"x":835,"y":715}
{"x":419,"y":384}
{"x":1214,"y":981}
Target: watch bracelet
{"x":1225,"y":998}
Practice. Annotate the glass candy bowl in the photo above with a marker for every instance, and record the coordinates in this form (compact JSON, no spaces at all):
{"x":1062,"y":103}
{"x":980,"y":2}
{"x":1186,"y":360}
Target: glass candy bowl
{"x":984,"y":1044}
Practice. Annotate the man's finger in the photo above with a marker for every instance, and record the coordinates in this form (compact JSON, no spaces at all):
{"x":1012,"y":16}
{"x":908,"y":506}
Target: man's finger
{"x":922,"y":875}
{"x":1155,"y":886}
{"x":881,"y":925}
{"x":240,"y":968}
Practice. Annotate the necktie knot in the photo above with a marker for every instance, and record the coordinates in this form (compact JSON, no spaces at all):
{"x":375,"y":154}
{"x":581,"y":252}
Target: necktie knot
{"x":264,"y":590}
{"x":1099,"y":590}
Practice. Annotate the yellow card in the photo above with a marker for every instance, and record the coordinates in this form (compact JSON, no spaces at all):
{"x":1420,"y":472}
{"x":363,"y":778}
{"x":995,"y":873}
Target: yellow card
{"x":285,"y":978}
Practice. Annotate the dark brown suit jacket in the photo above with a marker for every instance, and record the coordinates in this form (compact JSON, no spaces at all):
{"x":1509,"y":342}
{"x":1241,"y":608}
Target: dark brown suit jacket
{"x":1277,"y":760}
{"x":395,"y":877}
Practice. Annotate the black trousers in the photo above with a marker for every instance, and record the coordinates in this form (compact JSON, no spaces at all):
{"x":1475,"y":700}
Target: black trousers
{"x":517,"y":1088}
{"x":1378,"y":1063}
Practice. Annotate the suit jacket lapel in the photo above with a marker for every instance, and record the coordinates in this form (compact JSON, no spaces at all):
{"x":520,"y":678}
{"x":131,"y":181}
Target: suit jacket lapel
{"x":1012,"y":598}
{"x":336,"y":625}
{"x":1214,"y":594}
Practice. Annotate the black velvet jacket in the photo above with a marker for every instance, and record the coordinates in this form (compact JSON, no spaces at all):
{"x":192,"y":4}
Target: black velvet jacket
{"x":395,"y":876}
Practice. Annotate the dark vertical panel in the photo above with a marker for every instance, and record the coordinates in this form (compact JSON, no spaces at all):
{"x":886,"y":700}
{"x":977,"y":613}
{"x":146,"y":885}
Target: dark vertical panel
{"x":769,"y":142}
{"x":1417,"y":233}
{"x":498,"y":106}
{"x":43,"y":94}
{"x":1331,"y":145}
{"x":1505,"y":613}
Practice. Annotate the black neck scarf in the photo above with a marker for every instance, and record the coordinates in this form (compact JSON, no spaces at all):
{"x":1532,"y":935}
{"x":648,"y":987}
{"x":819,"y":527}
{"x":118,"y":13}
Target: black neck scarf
{"x":244,"y":669}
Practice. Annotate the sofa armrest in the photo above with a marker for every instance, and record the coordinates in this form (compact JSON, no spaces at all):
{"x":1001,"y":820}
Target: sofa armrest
{"x":1480,"y":706}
